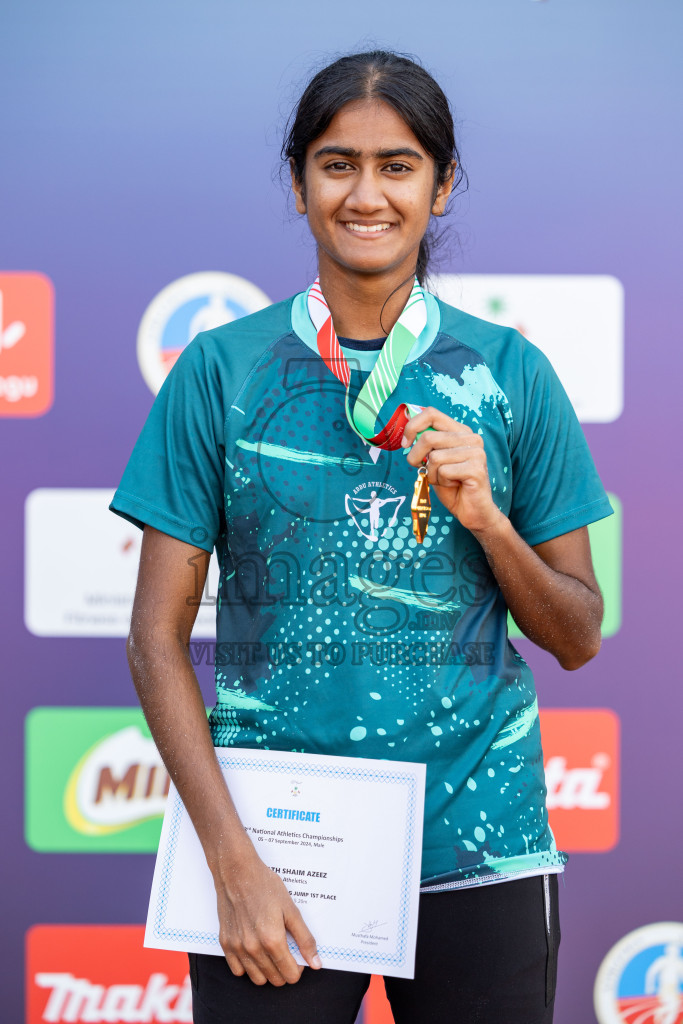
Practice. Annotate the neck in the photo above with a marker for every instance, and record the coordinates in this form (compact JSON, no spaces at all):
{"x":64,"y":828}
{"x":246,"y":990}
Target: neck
{"x":364,"y":306}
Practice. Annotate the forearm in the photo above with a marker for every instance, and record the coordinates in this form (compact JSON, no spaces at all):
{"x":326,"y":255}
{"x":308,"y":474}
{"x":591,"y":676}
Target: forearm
{"x":174,"y":709}
{"x":255,"y":911}
{"x":557,"y":611}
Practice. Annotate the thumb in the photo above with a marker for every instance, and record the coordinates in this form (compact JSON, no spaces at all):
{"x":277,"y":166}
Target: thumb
{"x":296,"y":927}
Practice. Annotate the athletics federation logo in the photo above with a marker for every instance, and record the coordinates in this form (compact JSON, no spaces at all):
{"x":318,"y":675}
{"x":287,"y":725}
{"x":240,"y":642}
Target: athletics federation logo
{"x":373,"y":508}
{"x":194,"y":303}
{"x":640,"y":981}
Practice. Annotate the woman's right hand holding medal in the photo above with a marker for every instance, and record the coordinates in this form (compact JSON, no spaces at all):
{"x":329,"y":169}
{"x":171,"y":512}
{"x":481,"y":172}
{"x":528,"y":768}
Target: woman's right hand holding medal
{"x":456,"y":467}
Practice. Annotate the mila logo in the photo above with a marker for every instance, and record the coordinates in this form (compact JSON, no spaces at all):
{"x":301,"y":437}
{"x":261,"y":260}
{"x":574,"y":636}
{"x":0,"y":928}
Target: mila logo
{"x":120,"y":782}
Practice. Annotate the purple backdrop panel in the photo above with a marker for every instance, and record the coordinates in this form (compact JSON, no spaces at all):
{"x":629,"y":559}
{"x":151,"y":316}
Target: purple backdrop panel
{"x":139,"y":146}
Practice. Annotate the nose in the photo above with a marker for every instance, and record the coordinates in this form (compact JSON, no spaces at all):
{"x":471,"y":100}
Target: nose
{"x":367,"y":195}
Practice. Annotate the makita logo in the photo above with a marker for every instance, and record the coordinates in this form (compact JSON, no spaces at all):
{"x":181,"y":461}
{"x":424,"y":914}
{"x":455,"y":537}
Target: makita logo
{"x":581,"y":748}
{"x":74,"y":1000}
{"x":91,"y":973}
{"x":577,"y":788}
{"x":120,"y":782}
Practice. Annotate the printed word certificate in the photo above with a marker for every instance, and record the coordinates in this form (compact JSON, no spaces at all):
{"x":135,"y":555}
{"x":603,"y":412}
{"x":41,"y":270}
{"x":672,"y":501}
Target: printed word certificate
{"x":343,"y":833}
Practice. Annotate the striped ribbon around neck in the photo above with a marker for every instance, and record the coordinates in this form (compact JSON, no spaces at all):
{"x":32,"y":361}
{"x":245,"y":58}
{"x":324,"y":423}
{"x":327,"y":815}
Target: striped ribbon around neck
{"x":380,"y":384}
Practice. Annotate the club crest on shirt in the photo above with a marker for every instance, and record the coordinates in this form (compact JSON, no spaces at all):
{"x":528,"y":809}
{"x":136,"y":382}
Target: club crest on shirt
{"x":373,"y":508}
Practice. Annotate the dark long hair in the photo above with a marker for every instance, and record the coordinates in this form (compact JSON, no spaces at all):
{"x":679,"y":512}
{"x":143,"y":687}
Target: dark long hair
{"x":397,"y":80}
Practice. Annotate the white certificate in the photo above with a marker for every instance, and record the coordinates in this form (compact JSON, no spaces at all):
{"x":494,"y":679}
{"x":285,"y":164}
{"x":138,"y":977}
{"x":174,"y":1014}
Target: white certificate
{"x":343,"y":833}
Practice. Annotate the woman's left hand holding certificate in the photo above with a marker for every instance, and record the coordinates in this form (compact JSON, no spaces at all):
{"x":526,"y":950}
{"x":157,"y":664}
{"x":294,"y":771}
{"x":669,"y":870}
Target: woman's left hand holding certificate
{"x":255,"y":910}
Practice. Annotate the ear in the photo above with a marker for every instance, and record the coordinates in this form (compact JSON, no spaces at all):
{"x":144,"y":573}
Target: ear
{"x":444,"y":192}
{"x":297,"y":189}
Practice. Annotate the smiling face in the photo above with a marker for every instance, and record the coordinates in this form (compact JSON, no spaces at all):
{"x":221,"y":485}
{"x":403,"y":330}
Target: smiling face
{"x":368,"y":191}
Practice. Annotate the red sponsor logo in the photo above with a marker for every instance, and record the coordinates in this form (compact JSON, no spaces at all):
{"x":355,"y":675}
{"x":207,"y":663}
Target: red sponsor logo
{"x":102,"y":973}
{"x":26,"y":344}
{"x":581,"y":751}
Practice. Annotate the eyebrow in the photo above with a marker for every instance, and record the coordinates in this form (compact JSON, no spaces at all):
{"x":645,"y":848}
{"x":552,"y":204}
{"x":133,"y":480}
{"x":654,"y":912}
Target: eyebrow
{"x":356,"y":154}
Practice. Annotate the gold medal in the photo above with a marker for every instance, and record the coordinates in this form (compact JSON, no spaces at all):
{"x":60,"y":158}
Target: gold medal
{"x":421,"y":506}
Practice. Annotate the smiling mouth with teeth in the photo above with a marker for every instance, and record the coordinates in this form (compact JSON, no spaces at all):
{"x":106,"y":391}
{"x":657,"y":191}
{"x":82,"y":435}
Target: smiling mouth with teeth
{"x":366,"y":229}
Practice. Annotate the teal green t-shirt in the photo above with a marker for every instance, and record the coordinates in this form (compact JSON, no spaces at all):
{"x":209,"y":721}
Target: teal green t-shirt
{"x":336,"y":632}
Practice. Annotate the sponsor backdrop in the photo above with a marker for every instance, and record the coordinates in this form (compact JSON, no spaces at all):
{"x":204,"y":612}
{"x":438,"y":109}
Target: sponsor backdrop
{"x":141,"y":203}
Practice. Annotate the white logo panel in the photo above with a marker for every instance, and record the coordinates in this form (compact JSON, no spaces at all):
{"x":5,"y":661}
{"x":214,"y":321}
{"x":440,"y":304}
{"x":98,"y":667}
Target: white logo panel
{"x":81,"y":564}
{"x":576,"y":320}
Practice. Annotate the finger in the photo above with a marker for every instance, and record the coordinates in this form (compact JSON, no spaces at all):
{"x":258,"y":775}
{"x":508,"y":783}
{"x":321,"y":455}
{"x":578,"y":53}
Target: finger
{"x":258,"y":976}
{"x":290,"y":970}
{"x":235,"y":965}
{"x":429,"y":417}
{"x":245,"y":965}
{"x":433,"y":441}
{"x":308,"y":947}
{"x":471,"y":453}
{"x":282,"y":960}
{"x":274,"y":956}
{"x":468,"y":473}
{"x":260,"y":967}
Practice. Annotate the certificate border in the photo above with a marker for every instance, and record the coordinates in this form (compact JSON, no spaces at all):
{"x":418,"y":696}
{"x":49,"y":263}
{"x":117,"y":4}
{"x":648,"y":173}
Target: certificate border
{"x":245,"y":763}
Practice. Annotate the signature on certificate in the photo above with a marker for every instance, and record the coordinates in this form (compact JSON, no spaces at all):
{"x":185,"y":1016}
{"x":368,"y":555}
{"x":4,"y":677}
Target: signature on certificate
{"x":371,"y":926}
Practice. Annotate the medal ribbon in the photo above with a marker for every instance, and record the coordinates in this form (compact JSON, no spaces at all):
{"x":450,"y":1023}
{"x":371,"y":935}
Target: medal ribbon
{"x":382,"y":381}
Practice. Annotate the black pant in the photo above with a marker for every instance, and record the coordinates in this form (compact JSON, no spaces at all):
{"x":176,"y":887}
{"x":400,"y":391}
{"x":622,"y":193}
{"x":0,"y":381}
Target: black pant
{"x":485,"y":955}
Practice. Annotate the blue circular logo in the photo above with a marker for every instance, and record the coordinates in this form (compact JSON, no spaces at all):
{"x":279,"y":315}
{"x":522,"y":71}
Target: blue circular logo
{"x":640,"y":981}
{"x":194,"y":303}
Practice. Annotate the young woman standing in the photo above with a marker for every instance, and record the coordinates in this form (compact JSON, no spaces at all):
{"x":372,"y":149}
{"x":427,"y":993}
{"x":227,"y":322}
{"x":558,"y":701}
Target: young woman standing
{"x":295,"y":441}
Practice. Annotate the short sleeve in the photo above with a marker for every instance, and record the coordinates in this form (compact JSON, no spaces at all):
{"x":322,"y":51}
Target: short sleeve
{"x":555,"y":485}
{"x":174,"y":477}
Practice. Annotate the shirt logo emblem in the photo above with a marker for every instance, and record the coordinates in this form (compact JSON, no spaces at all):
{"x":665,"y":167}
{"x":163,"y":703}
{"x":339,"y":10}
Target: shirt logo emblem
{"x":373,"y":508}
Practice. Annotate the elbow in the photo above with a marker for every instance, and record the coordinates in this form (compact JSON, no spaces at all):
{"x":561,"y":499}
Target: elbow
{"x":139,"y":637}
{"x":150,"y":644}
{"x":580,"y":654}
{"x":142,"y":648}
{"x":136,"y":653}
{"x":132,"y":647}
